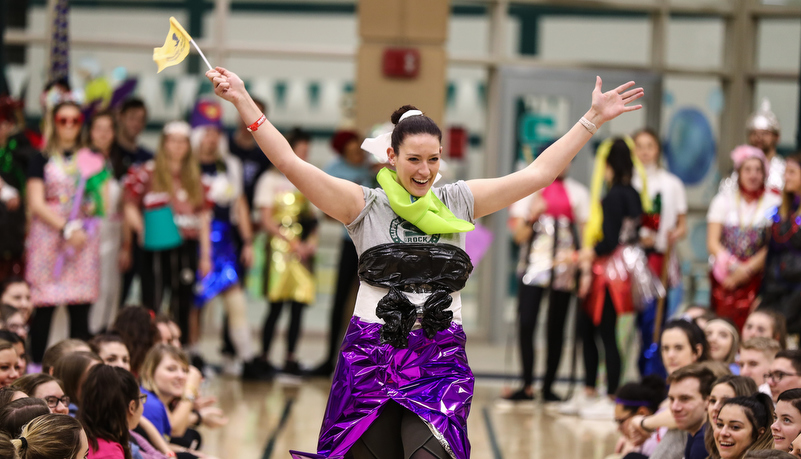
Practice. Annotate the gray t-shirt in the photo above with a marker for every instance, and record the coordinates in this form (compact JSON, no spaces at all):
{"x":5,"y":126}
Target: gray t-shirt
{"x":378,"y":224}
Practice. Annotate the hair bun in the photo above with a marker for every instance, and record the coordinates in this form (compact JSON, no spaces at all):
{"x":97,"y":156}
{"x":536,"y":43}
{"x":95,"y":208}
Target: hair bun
{"x":396,"y":115}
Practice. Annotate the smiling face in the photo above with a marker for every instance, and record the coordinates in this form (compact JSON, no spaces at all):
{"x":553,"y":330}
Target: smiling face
{"x":676,"y":350}
{"x":687,"y":404}
{"x":754,"y":364}
{"x":752,"y":174}
{"x":9,"y":367}
{"x":68,"y":121}
{"x":417,"y":162}
{"x":787,"y":425}
{"x":720,"y":341}
{"x":115,"y":354}
{"x":734,"y":434}
{"x":18,"y":295}
{"x":758,"y":325}
{"x":170,"y":377}
{"x":720,"y":393}
{"x":51,"y":390}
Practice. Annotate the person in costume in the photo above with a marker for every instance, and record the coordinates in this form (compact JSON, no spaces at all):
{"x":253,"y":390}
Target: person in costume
{"x":662,"y":228}
{"x":781,"y":287}
{"x":607,"y":292}
{"x":166,"y":206}
{"x":402,"y":382}
{"x":546,"y":225}
{"x":222,"y":175}
{"x":353,"y":164}
{"x":737,"y":237}
{"x":764,"y":131}
{"x":63,"y":244}
{"x":101,"y":134}
{"x":15,"y":152}
{"x":291,"y":224}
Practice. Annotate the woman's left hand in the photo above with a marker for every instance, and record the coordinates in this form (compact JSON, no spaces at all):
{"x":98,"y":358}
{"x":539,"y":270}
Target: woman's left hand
{"x":736,"y":277}
{"x":213,"y":417}
{"x":609,"y":105}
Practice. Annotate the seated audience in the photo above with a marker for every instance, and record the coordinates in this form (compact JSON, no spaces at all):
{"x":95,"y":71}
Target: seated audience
{"x":766,"y":323}
{"x":756,"y":356}
{"x":7,"y":450}
{"x":47,"y":388}
{"x":72,"y":370}
{"x":54,"y":353}
{"x":9,"y":394}
{"x":9,"y":364}
{"x":111,"y":407}
{"x":724,"y":342}
{"x":682,"y":343}
{"x":52,"y":436}
{"x":19,"y":346}
{"x":724,"y":388}
{"x":172,"y":389}
{"x":787,"y":424}
{"x":169,"y":331}
{"x":632,"y":399}
{"x":16,"y":414}
{"x":785,"y":373}
{"x":688,"y":394}
{"x":743,"y":425}
{"x":112,"y":349}
{"x":13,"y":319}
{"x":138,"y":331}
{"x":16,"y":292}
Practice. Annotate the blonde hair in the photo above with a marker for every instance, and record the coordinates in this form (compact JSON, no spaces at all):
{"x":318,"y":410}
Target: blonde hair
{"x":49,"y":436}
{"x":190,"y":173}
{"x":735,"y":338}
{"x":51,"y":144}
{"x":768,"y":346}
{"x":154,"y":358}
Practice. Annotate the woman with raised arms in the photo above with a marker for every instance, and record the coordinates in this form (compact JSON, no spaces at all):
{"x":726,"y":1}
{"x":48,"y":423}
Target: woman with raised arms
{"x":402,"y":383}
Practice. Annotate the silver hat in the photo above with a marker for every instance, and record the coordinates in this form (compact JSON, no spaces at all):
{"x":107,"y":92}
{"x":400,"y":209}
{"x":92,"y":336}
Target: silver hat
{"x":763,"y":119}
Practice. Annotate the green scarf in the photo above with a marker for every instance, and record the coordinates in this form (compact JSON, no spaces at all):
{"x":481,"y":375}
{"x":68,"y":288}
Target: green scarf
{"x":427,"y":213}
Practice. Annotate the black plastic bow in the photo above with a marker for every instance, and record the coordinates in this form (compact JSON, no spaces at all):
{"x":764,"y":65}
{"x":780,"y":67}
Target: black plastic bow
{"x":399,"y":315}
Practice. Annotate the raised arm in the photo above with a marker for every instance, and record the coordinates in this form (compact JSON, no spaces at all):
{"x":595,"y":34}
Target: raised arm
{"x":494,"y":194}
{"x":341,"y":199}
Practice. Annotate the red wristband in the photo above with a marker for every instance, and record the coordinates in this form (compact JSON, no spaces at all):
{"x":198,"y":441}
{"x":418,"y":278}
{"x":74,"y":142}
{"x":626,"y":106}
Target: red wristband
{"x":255,"y":126}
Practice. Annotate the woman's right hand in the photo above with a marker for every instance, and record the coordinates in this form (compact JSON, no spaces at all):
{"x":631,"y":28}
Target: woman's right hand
{"x":193,"y":380}
{"x":227,"y":84}
{"x":77,"y":239}
{"x":213,"y":417}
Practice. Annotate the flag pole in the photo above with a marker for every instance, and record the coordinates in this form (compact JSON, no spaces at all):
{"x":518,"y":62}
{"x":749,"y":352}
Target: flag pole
{"x":201,"y":53}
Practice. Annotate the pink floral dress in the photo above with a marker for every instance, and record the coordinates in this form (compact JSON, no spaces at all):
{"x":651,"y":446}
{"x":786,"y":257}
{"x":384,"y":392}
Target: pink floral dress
{"x":80,"y":277}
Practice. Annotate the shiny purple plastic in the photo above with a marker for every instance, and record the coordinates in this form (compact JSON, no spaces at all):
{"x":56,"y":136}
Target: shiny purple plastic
{"x":431,"y":378}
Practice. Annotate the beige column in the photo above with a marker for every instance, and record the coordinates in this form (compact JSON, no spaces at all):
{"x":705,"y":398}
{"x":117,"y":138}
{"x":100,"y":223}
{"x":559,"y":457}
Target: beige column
{"x":388,"y":24}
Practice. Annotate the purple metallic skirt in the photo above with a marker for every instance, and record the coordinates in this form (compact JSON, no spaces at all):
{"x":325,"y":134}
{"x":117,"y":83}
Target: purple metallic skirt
{"x":431,"y":378}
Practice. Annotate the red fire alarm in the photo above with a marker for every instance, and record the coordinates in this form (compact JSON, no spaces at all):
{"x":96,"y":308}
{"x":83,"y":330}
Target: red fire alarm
{"x":401,"y":62}
{"x":457,"y":142}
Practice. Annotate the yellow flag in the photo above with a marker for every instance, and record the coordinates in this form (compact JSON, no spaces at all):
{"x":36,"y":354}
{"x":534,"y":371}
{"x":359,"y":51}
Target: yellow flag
{"x":175,"y":49}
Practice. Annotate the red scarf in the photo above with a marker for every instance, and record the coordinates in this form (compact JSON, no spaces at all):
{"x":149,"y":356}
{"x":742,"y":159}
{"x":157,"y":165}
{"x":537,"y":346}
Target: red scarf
{"x":751,"y":196}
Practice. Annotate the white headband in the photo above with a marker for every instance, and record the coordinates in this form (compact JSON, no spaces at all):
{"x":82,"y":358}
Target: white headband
{"x":410,"y":113}
{"x":178,"y":127}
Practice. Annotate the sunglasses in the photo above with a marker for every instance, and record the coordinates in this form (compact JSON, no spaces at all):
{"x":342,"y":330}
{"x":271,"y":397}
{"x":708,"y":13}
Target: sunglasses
{"x":69,"y":120}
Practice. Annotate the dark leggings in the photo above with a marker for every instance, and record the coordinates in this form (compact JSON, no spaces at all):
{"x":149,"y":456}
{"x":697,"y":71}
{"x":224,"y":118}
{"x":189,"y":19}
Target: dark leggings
{"x":40,"y":327}
{"x":346,"y":280}
{"x":606,"y":330}
{"x":272,"y":319}
{"x":398,"y":433}
{"x":528,"y":307}
{"x":175,"y":270}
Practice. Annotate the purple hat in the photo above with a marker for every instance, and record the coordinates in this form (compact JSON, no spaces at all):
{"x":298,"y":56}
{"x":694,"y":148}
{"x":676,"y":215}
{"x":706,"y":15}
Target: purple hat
{"x":207,"y":113}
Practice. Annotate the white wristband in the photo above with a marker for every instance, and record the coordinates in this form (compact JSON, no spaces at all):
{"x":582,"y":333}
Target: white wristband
{"x":71,"y":227}
{"x":591,"y":127}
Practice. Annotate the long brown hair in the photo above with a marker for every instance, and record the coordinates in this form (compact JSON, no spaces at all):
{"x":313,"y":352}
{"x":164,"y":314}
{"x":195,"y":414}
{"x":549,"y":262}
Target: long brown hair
{"x":49,"y":436}
{"x":788,"y":197}
{"x":190,"y":173}
{"x":108,"y":394}
{"x":71,"y":370}
{"x":51,"y":146}
{"x":135,"y":326}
